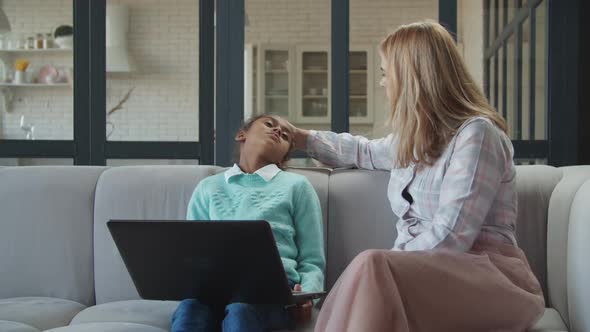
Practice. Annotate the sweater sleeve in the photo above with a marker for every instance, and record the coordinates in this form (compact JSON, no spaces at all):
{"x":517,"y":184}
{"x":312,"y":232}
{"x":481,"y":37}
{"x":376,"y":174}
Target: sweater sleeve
{"x":346,"y":150}
{"x":198,"y":206}
{"x":309,"y":238}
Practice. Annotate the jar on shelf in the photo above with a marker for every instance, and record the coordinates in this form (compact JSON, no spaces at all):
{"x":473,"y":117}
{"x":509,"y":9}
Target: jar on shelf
{"x":48,"y":41}
{"x":39,"y":41}
{"x":30,"y":44}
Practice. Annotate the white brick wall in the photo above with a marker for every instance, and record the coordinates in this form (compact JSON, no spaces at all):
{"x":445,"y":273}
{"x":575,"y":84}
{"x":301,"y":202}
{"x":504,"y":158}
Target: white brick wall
{"x":163,"y":39}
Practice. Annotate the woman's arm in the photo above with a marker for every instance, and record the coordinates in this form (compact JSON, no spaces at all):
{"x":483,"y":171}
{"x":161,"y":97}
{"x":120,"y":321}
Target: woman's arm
{"x":346,"y":150}
{"x":481,"y":161}
{"x":307,"y":217}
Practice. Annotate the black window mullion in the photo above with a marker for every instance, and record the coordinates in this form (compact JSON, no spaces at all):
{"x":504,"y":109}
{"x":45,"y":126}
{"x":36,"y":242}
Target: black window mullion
{"x":339,"y":54}
{"x":206,"y":79}
{"x":97,"y":82}
{"x":447,"y":16}
{"x":229,"y":77}
{"x":153,"y":150}
{"x":532,"y":70}
{"x":81,"y":78}
{"x":37,"y":149}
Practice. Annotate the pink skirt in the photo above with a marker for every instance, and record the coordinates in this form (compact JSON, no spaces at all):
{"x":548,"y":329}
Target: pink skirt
{"x":490,"y":288}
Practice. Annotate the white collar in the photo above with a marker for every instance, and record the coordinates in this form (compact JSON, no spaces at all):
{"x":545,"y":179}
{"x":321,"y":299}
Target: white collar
{"x":267,"y":172}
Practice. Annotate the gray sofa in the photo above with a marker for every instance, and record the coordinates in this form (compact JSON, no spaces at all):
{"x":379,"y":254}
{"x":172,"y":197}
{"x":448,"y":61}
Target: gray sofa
{"x":60,"y":271}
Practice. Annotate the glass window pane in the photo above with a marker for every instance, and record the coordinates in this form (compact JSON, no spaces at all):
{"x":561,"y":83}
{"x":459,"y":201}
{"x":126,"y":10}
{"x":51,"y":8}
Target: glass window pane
{"x":470,"y":29}
{"x":492,"y":19}
{"x":540,"y":77}
{"x":501,"y":21}
{"x":370,"y":22}
{"x":529,"y":161}
{"x":36,"y":161}
{"x":36,"y":61}
{"x":287,"y":61}
{"x":512,"y":8}
{"x":152,"y":70}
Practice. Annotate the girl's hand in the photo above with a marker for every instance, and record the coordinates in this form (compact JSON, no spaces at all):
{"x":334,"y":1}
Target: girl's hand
{"x":300,"y":313}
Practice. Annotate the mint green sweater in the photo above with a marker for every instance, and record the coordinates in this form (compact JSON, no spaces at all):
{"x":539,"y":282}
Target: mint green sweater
{"x":288,"y":202}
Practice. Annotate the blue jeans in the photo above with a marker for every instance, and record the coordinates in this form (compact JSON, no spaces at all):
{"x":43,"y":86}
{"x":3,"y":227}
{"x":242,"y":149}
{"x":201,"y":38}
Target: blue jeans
{"x":194,"y":316}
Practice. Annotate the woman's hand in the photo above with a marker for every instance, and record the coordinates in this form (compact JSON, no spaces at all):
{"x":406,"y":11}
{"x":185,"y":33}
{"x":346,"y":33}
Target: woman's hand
{"x":300,"y":313}
{"x":299,"y":136}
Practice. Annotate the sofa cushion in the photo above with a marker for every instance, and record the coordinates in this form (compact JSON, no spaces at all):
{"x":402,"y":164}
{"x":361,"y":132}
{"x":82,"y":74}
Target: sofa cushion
{"x":40,"y":312}
{"x":360,"y":217}
{"x":136,"y":192}
{"x":46,"y":237}
{"x":550,"y":322}
{"x":153,"y":313}
{"x":578,"y":263}
{"x":10,"y":326}
{"x":108,"y":327}
{"x":557,"y":241}
{"x":533,"y":203}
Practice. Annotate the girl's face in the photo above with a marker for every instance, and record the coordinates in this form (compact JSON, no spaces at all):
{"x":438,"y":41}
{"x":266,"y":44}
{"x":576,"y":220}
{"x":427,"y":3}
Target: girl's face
{"x":268,"y":137}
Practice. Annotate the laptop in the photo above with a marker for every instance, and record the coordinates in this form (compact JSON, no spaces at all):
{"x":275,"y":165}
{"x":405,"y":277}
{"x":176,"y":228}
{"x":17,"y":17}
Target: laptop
{"x":217,"y":262}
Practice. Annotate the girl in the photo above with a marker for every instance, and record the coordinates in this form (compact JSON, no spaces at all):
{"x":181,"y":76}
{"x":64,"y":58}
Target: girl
{"x":257,"y":189}
{"x":455,"y":265}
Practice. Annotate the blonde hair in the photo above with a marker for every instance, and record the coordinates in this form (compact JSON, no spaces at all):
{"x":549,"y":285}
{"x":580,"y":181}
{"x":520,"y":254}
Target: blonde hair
{"x":431,"y":93}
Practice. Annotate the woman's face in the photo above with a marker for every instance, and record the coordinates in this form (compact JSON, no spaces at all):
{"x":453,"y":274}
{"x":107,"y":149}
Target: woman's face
{"x":385,"y":80}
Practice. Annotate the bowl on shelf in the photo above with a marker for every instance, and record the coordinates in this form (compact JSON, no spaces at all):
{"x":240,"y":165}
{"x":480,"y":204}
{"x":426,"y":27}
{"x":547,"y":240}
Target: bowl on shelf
{"x":65,"y":41}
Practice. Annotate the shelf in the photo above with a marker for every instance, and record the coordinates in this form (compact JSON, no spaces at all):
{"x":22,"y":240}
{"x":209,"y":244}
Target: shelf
{"x":33,"y":85}
{"x":277,"y":71}
{"x":357,"y":71}
{"x":276,"y":96}
{"x":42,"y":50}
{"x":357,"y":97}
{"x":315,"y":71}
{"x":314,"y":97}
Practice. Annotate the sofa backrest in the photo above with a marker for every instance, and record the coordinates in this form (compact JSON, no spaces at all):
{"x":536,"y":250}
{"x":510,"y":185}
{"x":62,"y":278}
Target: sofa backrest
{"x":360,"y":215}
{"x":150,"y":192}
{"x":46,"y":232}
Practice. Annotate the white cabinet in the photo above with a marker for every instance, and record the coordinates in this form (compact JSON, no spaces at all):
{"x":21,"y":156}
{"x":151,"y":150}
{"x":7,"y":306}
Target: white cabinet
{"x":312,"y":102}
{"x":360,"y":84}
{"x":275,"y":86}
{"x":294,"y":82}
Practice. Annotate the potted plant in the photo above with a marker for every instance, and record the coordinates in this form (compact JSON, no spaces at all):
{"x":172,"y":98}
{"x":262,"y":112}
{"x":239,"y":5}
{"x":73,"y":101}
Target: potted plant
{"x":64,"y":36}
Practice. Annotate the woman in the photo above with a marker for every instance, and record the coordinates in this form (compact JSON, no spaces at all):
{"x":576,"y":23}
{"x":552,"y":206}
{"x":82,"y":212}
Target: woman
{"x":455,"y":265}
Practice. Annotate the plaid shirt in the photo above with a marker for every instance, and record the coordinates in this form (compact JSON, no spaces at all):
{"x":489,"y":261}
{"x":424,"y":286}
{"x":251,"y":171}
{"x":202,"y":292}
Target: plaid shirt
{"x":468,"y":194}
